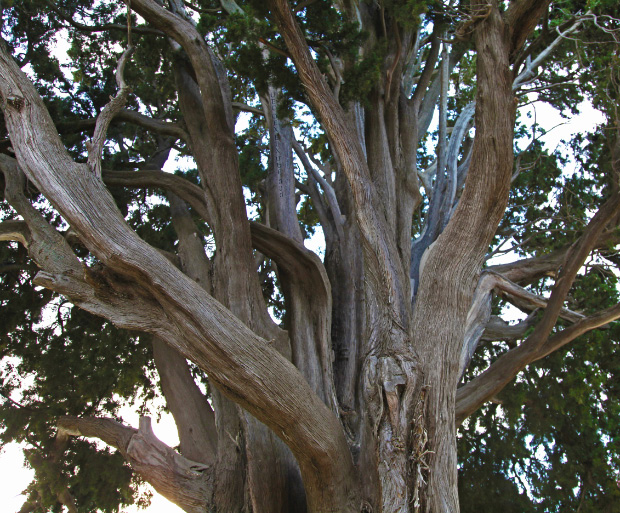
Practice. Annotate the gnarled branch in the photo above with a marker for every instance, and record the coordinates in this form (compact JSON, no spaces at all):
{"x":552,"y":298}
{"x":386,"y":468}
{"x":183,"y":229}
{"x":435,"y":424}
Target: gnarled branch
{"x":244,"y":366}
{"x":182,"y":481}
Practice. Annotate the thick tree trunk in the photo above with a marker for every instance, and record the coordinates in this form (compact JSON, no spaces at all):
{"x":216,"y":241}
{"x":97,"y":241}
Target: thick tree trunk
{"x":353,"y":408}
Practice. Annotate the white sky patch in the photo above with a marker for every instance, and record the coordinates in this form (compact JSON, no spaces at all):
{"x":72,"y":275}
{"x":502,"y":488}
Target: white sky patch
{"x":560,"y":129}
{"x":15,"y":477}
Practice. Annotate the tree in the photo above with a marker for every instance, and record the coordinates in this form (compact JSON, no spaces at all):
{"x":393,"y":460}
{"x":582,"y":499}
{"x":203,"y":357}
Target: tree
{"x":349,"y":395}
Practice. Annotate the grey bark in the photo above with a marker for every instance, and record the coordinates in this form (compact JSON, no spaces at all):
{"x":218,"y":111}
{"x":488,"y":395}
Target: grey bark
{"x":85,"y":203}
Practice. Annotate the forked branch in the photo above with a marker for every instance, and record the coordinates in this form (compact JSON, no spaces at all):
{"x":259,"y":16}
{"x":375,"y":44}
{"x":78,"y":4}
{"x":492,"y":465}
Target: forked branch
{"x":373,"y":224}
{"x":95,"y":145}
{"x":475,"y":393}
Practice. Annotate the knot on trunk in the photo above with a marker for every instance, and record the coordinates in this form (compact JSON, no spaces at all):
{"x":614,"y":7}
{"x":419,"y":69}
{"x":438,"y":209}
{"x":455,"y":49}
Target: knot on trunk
{"x":393,"y":391}
{"x":389,"y":385}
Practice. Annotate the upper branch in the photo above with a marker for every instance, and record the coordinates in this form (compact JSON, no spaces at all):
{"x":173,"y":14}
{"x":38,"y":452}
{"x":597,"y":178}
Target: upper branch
{"x":579,"y":328}
{"x":475,"y":393}
{"x":99,"y":28}
{"x":184,"y":33}
{"x":522,"y":17}
{"x":372,"y":222}
{"x":330,"y":194}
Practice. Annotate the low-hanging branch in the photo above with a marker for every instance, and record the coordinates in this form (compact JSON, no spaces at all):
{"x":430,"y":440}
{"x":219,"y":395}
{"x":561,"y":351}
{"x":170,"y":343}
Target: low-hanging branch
{"x":160,"y":465}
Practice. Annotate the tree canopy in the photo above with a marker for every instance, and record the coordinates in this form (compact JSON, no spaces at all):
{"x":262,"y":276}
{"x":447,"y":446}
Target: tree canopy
{"x":228,"y":134}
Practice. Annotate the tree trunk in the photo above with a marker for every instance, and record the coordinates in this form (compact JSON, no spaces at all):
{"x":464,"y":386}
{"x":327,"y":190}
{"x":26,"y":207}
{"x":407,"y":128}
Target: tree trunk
{"x":350,"y":407}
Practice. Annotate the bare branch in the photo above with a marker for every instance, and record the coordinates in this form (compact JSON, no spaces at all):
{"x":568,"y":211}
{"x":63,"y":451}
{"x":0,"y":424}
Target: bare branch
{"x":529,"y":72}
{"x":429,"y":100}
{"x":443,"y":179}
{"x":311,"y":304}
{"x":472,"y":395}
{"x":527,"y":300}
{"x":575,"y":258}
{"x":481,"y":325}
{"x":498,"y":329}
{"x":445,"y":187}
{"x":193,"y":415}
{"x":425,"y":78}
{"x":247,"y":108}
{"x":182,"y":481}
{"x":530,"y":269}
{"x":95,"y":146}
{"x":15,"y":231}
{"x":330,"y":194}
{"x":156,"y":125}
{"x":458,"y":135}
{"x":273,"y":48}
{"x":45,"y":245}
{"x":413,"y":62}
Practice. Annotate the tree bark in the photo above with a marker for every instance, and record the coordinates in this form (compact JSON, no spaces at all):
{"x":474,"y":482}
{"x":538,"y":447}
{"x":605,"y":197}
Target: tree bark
{"x":449,"y":274}
{"x":354,"y":408}
{"x":201,"y":328}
